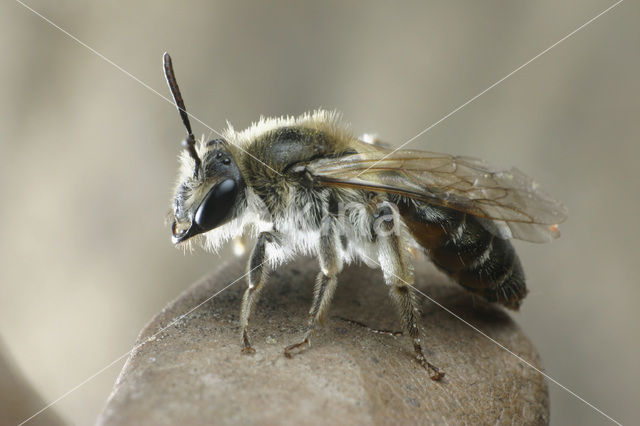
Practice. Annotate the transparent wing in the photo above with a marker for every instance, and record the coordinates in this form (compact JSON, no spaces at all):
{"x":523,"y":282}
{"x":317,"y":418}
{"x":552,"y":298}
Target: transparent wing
{"x":511,"y":199}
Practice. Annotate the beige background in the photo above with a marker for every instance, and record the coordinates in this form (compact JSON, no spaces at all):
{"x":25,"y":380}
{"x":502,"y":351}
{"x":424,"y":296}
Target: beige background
{"x":89,"y":158}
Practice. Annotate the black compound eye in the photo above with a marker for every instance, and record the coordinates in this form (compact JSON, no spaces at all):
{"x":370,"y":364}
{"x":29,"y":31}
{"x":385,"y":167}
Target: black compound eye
{"x":217,"y":205}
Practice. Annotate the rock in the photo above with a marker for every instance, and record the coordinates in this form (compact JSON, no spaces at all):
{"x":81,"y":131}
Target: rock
{"x":193,"y":372}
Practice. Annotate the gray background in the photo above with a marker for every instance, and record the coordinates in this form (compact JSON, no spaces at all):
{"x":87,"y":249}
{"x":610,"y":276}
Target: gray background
{"x":89,"y":158}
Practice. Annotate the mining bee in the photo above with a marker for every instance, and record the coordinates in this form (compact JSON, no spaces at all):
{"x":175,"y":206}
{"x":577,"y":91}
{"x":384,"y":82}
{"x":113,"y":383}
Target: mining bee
{"x":305,"y":185}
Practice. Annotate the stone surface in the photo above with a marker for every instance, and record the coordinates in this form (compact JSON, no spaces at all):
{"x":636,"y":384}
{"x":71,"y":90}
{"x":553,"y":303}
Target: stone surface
{"x":193,"y":372}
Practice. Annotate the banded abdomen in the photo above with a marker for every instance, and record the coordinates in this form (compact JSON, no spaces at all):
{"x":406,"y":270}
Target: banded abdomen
{"x":468,"y":249}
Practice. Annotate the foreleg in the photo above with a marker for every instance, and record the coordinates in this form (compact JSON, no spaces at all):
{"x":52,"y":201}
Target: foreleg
{"x":256,"y":279}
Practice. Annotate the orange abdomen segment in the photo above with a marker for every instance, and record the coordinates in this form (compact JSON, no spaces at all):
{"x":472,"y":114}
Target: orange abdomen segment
{"x":468,"y":250}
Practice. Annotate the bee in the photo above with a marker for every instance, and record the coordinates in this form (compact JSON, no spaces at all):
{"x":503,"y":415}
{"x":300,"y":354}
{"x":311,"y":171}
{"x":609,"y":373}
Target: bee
{"x":305,"y":185}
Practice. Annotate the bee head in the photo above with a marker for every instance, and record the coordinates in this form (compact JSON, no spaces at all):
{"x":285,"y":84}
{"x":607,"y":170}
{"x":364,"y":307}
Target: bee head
{"x":210,"y":186}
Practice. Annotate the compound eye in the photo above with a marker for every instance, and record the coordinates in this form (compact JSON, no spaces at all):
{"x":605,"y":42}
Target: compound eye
{"x":216,"y":208}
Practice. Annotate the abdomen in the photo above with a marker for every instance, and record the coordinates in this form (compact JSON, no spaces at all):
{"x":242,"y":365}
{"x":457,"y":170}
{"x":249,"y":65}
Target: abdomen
{"x":468,"y":249}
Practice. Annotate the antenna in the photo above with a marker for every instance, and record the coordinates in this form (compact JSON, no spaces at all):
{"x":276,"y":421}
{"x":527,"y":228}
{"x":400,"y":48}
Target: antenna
{"x":190,"y":143}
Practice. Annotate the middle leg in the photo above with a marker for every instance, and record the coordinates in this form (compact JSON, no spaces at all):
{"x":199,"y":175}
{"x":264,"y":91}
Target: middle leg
{"x":330,"y":265}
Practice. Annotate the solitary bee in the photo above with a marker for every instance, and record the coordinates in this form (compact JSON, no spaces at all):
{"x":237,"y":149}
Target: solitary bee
{"x":305,"y":185}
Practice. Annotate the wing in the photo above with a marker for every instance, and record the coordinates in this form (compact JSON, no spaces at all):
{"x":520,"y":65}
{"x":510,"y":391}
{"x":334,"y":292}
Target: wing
{"x":511,"y":199}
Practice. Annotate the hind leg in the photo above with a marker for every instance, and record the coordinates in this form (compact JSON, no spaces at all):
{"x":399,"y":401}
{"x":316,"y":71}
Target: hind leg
{"x":398,"y":275}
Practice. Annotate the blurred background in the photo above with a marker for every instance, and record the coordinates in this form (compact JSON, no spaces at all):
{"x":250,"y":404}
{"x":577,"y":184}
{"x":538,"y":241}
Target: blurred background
{"x":89,"y":159}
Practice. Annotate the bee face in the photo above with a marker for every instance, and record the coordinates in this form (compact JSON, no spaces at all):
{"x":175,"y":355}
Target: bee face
{"x":207,"y":196}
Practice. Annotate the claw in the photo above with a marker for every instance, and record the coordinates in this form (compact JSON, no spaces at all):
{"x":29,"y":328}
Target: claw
{"x":248,"y":350}
{"x":288,"y":349}
{"x":246,"y":345}
{"x":437,"y":376}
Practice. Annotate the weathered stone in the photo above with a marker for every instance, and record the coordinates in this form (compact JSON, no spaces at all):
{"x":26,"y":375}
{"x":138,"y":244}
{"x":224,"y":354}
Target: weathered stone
{"x":193,"y":372}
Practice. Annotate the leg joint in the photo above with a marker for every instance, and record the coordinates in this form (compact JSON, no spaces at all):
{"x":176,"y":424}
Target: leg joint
{"x":384,"y":219}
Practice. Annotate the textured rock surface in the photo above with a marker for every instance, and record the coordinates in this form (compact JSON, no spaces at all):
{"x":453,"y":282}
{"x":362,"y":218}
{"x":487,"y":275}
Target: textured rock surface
{"x":193,"y":372}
